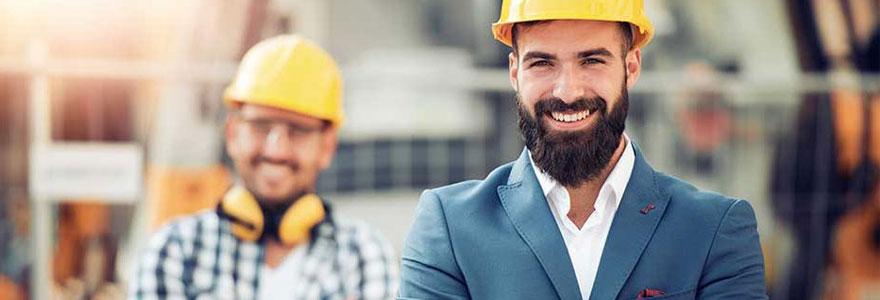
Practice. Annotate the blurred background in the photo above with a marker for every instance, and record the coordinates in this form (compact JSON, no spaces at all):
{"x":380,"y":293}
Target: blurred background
{"x":111,"y":122}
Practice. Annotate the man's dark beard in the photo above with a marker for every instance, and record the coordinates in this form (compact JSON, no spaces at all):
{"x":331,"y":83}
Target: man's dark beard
{"x":572,"y":158}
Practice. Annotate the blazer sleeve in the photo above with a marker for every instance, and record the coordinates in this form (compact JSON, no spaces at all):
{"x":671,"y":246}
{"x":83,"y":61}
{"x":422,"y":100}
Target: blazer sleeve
{"x":428,"y":268}
{"x":735,"y":266}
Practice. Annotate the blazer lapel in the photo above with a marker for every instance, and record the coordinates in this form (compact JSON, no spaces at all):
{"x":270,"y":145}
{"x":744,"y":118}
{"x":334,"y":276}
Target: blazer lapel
{"x":525,"y":204}
{"x":640,"y":210}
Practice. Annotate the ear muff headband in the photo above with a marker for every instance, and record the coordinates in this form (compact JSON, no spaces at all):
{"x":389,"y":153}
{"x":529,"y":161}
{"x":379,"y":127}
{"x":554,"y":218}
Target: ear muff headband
{"x":248,"y":217}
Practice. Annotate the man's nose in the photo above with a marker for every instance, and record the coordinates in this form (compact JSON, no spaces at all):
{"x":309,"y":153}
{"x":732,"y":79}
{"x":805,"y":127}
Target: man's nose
{"x":569,"y":85}
{"x":278,"y":143}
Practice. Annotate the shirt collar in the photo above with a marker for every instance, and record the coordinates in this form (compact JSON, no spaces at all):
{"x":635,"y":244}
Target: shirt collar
{"x":617,"y":179}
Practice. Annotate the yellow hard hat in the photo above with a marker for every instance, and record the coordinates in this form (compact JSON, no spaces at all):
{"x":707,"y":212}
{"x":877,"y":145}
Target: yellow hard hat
{"x":291,"y":73}
{"x":632,"y":11}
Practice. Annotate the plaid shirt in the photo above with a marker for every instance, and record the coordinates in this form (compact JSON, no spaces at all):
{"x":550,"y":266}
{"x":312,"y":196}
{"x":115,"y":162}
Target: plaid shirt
{"x":197,"y":257}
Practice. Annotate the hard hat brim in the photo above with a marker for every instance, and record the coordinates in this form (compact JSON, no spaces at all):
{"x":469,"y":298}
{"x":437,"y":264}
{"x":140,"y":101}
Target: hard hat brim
{"x":235,"y":103}
{"x":644,"y":33}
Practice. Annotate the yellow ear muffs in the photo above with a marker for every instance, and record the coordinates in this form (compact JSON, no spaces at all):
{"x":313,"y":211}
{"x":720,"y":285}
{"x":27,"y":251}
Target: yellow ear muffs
{"x":298,"y":220}
{"x":249,"y":219}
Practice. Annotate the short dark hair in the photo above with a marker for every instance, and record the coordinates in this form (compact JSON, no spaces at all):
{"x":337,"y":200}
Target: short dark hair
{"x":625,"y":33}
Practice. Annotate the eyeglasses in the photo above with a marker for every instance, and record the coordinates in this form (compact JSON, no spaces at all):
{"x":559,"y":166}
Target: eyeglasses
{"x":261,"y":129}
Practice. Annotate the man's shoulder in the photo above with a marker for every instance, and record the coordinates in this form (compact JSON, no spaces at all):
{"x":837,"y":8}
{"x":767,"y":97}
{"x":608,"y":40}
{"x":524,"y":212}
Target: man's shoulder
{"x":685,"y":197}
{"x":186,"y":228}
{"x":473,"y":191}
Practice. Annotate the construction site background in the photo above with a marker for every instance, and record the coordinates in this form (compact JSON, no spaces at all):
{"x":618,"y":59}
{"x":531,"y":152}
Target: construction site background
{"x":111,"y":122}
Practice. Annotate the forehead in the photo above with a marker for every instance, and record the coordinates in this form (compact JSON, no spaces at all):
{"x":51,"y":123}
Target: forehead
{"x":255,"y":111}
{"x":575,"y":35}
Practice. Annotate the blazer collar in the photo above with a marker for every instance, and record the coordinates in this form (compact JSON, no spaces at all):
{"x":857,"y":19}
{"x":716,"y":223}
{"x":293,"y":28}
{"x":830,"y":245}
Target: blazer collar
{"x":634,"y":223}
{"x":526,"y":206}
{"x":640,"y":211}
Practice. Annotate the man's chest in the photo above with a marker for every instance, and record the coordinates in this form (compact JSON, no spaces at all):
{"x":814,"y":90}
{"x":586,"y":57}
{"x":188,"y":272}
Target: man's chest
{"x":241,"y":274}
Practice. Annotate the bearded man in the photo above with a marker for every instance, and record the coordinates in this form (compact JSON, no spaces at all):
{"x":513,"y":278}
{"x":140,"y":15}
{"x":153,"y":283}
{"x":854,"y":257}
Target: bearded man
{"x":580,"y":214}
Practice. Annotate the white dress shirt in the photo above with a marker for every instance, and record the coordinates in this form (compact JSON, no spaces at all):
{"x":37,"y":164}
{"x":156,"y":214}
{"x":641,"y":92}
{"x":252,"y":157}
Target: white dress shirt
{"x":585,"y":244}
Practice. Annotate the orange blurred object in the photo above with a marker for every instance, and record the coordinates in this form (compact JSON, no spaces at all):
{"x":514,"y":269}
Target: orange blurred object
{"x":856,"y":257}
{"x":848,"y":110}
{"x":179,"y":191}
{"x":875,"y":131}
{"x":9,"y":290}
{"x":78,"y":224}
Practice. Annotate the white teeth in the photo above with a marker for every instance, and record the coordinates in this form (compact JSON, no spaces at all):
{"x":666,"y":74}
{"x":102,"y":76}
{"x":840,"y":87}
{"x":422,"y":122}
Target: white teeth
{"x":561,"y":117}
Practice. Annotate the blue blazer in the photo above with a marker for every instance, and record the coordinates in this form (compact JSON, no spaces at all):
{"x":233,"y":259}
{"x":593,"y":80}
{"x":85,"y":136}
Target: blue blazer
{"x":497,"y":239}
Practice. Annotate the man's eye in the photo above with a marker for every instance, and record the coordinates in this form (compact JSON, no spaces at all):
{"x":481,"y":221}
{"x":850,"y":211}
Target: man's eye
{"x":540,"y":63}
{"x":298,"y":130}
{"x":593,"y":61}
{"x":261,"y":126}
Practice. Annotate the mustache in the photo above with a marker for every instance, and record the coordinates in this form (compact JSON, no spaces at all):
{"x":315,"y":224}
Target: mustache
{"x":553,"y":104}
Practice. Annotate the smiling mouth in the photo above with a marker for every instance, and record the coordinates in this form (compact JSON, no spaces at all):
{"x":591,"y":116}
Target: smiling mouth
{"x":570,"y":116}
{"x":569,"y":119}
{"x":272,"y":172}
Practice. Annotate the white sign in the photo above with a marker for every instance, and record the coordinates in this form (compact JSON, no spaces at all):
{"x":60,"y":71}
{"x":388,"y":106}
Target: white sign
{"x":108,"y":172}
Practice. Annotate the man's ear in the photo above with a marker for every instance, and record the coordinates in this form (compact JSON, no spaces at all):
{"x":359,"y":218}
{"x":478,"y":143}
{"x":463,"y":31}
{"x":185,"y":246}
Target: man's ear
{"x":513,"y":70}
{"x":633,"y":66}
{"x":329,"y":143}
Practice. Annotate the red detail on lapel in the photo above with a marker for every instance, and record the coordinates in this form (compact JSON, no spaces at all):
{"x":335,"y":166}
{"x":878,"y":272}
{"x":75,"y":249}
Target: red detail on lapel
{"x":647,"y":209}
{"x":649,"y":293}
